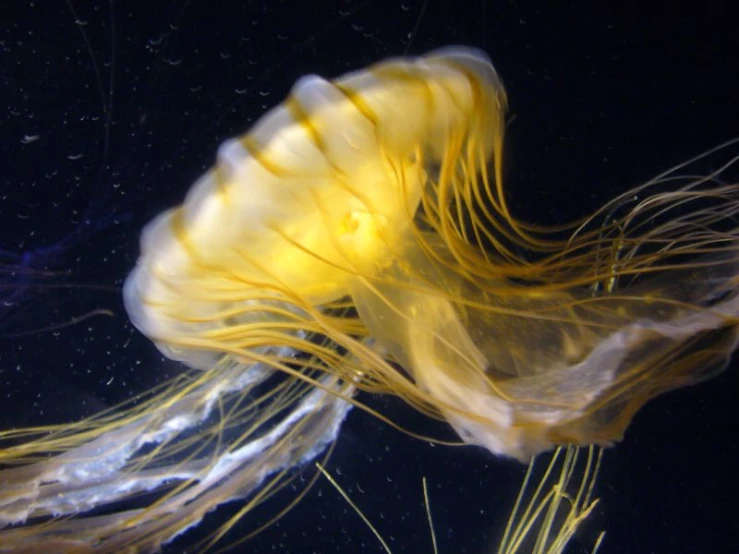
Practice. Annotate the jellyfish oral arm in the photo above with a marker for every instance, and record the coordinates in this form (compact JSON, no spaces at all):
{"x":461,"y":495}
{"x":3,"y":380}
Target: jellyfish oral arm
{"x":104,"y":471}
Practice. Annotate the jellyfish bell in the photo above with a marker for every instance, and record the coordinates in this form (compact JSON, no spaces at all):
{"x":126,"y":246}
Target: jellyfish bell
{"x":315,"y":195}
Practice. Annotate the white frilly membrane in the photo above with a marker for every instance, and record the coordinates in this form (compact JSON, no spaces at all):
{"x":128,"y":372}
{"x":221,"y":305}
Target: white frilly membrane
{"x":358,"y":237}
{"x":204,"y":443}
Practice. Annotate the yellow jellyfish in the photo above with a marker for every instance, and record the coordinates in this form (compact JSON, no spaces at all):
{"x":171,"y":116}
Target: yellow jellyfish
{"x":358,"y":237}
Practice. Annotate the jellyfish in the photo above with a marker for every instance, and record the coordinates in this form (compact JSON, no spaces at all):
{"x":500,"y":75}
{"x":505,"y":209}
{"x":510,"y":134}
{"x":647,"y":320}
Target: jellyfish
{"x":359,"y":238}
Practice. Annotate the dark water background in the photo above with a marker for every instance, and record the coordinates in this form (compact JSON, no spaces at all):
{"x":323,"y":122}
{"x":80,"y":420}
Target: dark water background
{"x":604,"y":96}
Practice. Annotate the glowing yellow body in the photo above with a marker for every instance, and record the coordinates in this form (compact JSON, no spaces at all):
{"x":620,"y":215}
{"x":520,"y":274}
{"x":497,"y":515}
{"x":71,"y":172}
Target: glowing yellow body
{"x":312,"y":196}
